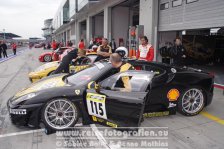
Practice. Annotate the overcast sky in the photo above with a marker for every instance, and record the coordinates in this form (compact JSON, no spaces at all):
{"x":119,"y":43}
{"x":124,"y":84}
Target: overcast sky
{"x":26,"y":17}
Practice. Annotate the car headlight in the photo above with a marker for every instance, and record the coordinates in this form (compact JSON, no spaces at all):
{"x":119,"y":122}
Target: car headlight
{"x":23,"y":98}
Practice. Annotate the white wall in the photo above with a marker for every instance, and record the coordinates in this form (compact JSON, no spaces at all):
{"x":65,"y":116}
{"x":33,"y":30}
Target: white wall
{"x":199,"y":14}
{"x":120,"y":23}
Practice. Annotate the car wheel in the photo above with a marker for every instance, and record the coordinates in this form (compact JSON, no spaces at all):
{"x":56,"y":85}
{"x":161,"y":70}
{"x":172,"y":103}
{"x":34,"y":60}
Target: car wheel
{"x":191,"y":102}
{"x":60,"y":114}
{"x":51,"y":73}
{"x":47,"y":58}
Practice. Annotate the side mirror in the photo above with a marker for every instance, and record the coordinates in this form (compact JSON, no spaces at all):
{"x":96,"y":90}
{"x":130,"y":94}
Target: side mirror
{"x":94,"y":85}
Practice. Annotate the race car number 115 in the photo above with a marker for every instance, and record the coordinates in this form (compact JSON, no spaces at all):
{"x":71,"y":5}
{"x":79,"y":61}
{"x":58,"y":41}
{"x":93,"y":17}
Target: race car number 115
{"x":96,"y":105}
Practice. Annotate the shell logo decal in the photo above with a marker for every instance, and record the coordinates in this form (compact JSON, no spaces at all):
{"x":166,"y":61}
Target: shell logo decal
{"x":173,"y":95}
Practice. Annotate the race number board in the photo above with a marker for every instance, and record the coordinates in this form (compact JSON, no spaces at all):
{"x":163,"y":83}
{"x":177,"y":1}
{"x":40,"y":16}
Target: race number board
{"x":96,"y":105}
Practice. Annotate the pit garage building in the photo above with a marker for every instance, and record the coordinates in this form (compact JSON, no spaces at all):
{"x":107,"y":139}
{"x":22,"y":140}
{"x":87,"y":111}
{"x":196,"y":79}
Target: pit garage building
{"x":200,"y":24}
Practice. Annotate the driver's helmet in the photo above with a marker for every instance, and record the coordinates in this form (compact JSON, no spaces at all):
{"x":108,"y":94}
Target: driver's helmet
{"x":94,"y":48}
{"x":122,"y":51}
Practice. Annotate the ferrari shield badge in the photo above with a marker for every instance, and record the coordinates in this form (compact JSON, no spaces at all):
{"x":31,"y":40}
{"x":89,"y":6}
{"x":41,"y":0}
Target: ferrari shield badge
{"x":77,"y":92}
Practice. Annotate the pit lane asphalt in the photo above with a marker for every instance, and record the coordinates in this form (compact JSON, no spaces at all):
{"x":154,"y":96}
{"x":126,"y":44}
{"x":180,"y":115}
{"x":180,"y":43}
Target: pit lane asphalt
{"x":198,"y":132}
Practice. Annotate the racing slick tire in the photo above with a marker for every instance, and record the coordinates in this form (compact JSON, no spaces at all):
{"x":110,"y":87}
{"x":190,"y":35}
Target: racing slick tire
{"x":47,"y":58}
{"x":60,"y":114}
{"x":192,"y":101}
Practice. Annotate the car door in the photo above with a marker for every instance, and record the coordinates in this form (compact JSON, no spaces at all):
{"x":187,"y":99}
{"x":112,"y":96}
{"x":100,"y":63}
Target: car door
{"x":113,"y":106}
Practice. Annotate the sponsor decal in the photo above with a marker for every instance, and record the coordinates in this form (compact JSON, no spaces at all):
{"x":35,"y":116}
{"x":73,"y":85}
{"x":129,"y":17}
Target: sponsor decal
{"x":77,"y":92}
{"x":94,"y":118}
{"x":99,"y":65}
{"x":173,"y":95}
{"x":77,"y":68}
{"x":18,"y":111}
{"x":171,"y":105}
{"x":156,"y":114}
{"x":111,"y":124}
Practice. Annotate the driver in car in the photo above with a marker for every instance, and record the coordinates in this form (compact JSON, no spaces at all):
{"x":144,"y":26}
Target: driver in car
{"x":81,"y":58}
{"x":120,"y":66}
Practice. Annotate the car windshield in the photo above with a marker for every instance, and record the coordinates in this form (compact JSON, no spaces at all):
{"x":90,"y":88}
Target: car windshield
{"x":86,"y":75}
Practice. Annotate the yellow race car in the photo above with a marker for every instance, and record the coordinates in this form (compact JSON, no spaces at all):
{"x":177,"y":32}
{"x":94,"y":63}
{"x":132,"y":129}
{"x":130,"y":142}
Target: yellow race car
{"x":49,"y":68}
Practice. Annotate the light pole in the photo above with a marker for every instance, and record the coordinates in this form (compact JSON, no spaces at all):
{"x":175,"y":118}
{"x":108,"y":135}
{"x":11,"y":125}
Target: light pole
{"x":4,"y":33}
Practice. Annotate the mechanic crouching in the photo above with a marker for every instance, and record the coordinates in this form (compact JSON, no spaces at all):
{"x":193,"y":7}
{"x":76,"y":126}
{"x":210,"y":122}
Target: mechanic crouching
{"x":120,"y":66}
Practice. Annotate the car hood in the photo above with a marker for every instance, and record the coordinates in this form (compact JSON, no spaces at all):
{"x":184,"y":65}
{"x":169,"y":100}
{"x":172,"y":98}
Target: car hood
{"x":47,"y":66}
{"x":42,"y":85}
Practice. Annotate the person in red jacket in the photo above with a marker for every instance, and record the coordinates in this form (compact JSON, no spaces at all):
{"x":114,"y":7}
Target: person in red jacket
{"x":54,"y":45}
{"x":81,"y":44}
{"x":14,"y":47}
{"x":145,"y":51}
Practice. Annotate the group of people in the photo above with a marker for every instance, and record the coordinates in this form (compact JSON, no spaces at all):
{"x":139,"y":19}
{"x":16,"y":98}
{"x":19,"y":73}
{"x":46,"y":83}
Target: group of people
{"x":55,"y":45}
{"x":145,"y":52}
{"x":3,"y":49}
{"x":104,"y":50}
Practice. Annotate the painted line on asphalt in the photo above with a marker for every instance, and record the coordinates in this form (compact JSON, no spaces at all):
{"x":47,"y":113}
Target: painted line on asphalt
{"x":27,"y":132}
{"x":21,"y":133}
{"x":212,"y":117}
{"x":99,"y":136}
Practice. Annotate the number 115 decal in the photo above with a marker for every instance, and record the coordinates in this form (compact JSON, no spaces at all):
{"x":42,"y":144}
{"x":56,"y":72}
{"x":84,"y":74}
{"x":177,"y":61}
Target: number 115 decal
{"x":96,"y":105}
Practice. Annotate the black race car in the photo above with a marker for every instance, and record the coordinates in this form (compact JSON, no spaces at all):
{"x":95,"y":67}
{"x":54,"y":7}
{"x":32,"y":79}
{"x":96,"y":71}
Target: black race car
{"x":95,"y":95}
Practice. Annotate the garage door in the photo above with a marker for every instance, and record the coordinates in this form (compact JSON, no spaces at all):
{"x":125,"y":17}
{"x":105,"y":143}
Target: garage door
{"x":190,"y":14}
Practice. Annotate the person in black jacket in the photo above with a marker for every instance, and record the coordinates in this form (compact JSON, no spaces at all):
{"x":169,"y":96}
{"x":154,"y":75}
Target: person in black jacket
{"x":113,"y":45}
{"x":4,"y":48}
{"x":0,"y":49}
{"x":67,"y":59}
{"x":178,"y":52}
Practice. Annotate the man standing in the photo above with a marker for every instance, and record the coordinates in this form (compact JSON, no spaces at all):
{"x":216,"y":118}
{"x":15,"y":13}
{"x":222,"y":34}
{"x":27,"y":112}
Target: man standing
{"x":4,"y":48}
{"x":0,"y":49}
{"x":81,"y":44}
{"x":179,"y":52}
{"x":14,"y":46}
{"x":113,"y":45}
{"x":145,"y":51}
{"x":54,"y":45}
{"x":104,"y":51}
{"x":91,"y":41}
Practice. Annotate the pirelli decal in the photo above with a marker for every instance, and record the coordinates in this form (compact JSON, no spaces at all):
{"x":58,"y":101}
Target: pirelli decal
{"x":156,"y":114}
{"x":99,"y":120}
{"x":111,"y":124}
